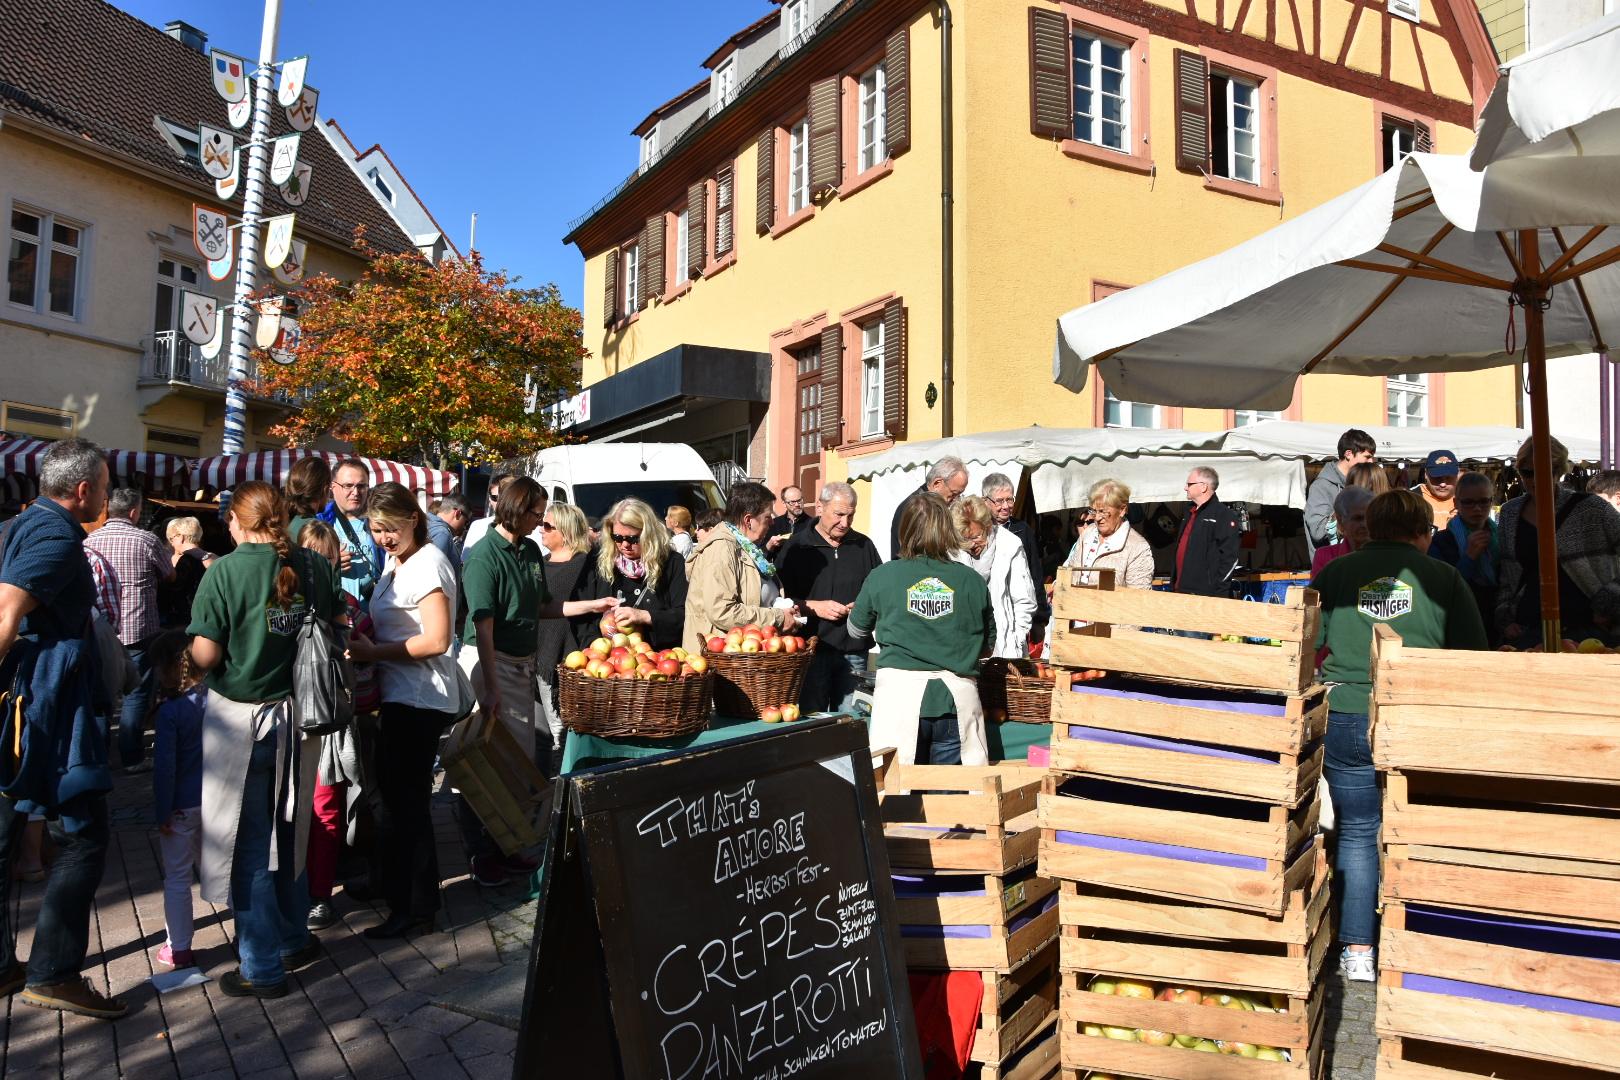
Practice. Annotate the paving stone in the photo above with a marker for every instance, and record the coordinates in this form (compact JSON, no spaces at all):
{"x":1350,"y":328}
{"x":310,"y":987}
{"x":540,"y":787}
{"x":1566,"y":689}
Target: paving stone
{"x":413,"y":1044}
{"x":441,"y":1022}
{"x":481,"y":1036}
{"x":443,"y":1067}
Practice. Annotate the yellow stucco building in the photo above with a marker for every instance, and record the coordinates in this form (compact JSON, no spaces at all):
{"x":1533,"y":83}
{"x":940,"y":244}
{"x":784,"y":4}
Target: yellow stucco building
{"x":830,"y":245}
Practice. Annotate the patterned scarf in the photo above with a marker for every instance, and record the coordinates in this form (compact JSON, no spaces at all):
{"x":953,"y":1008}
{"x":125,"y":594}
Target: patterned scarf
{"x":767,"y":569}
{"x":631,"y":569}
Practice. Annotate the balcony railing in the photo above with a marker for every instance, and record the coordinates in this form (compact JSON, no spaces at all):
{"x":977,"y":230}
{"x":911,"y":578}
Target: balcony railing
{"x":170,"y":357}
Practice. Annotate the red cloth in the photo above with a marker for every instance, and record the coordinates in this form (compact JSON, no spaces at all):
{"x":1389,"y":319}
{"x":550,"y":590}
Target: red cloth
{"x":1186,"y":534}
{"x":946,"y":1004}
{"x":325,"y":839}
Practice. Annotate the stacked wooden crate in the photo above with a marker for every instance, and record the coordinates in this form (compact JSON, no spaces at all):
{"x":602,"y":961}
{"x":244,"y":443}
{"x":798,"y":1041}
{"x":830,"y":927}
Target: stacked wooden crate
{"x":962,"y":844}
{"x":1500,"y":948}
{"x":1180,"y":819}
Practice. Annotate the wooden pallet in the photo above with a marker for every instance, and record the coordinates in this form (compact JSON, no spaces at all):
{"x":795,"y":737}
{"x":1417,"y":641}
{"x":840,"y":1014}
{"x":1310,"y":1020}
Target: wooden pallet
{"x":1037,"y":1060}
{"x":1300,"y":1031}
{"x":1280,"y":847}
{"x":959,"y":817}
{"x":1423,"y":698}
{"x":1166,"y":734}
{"x":1005,"y":949}
{"x":499,"y":781}
{"x":1111,"y":640}
{"x":1416,"y":948}
{"x":1018,"y":1006}
{"x":1000,"y":898}
{"x":1415,"y":1059}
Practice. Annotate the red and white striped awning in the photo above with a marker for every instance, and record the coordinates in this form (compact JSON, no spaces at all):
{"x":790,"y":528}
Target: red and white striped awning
{"x":272,"y":466}
{"x":21,"y":457}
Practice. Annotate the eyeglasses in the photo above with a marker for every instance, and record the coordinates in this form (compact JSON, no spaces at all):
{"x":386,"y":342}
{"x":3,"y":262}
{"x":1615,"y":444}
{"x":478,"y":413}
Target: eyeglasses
{"x":627,"y":538}
{"x":1004,"y":501}
{"x":359,"y":486}
{"x":537,"y":511}
{"x":546,"y":526}
{"x":1196,"y":483}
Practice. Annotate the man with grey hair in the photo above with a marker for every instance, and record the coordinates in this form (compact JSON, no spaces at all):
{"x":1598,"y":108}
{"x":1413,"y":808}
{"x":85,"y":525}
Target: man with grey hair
{"x":45,"y":644}
{"x":822,"y":570}
{"x":946,"y":478}
{"x":793,"y":518}
{"x":139,"y":560}
{"x":1207,"y":545}
{"x":1002,"y":495}
{"x":447,"y":522}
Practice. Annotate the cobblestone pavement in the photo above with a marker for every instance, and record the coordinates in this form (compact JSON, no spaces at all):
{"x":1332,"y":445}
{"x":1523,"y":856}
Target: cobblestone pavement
{"x":1353,"y":1052}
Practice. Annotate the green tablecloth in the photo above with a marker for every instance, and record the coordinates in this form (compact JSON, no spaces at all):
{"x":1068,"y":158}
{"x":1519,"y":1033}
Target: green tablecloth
{"x":1006,"y":742}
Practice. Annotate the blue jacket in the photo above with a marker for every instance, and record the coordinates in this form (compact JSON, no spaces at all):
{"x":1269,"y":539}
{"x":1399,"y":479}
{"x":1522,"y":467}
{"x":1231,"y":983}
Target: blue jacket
{"x":177,"y":755}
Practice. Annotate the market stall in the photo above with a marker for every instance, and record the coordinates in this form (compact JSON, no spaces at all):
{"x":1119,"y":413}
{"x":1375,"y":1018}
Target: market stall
{"x":227,"y":470}
{"x":156,"y":473}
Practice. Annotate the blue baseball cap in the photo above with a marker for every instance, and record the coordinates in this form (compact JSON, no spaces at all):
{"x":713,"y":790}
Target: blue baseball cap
{"x":1440,"y":463}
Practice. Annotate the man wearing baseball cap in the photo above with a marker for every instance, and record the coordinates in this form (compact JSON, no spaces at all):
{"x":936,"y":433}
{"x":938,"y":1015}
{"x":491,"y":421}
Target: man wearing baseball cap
{"x":1439,"y":487}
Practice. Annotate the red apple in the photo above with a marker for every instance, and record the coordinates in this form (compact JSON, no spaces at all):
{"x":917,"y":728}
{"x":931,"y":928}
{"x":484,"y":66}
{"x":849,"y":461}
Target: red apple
{"x":716,"y":644}
{"x":732,"y":647}
{"x":1154,"y":1038}
{"x":734,"y":637}
{"x":1131,"y":989}
{"x":749,"y":645}
{"x":790,"y":644}
{"x":624,"y":665}
{"x":771,"y":716}
{"x":1180,"y":995}
{"x":669,"y":666}
{"x":773,"y":645}
{"x":790,"y":713}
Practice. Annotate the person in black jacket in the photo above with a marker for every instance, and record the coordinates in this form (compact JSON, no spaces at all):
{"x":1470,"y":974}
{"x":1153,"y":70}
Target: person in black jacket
{"x":635,"y":562}
{"x":1207,"y":544}
{"x":822,"y":570}
{"x":947,"y":478}
{"x":1470,"y":543}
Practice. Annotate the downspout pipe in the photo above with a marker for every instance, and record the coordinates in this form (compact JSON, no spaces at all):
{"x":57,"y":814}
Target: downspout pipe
{"x":947,"y":221}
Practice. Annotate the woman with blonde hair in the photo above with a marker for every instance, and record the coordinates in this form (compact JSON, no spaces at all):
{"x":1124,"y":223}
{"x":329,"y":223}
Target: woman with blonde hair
{"x":1107,"y":541}
{"x":998,"y":557}
{"x":635,"y":563}
{"x":186,"y":554}
{"x":258,"y":771}
{"x":565,"y":538}
{"x":678,"y":519}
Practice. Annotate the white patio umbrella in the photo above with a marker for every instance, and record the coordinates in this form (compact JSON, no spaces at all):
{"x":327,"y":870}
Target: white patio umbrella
{"x":1385,"y":279}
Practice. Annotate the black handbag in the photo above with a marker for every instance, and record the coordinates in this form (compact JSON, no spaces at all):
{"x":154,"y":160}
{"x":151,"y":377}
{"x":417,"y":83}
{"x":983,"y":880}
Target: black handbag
{"x":323,"y":680}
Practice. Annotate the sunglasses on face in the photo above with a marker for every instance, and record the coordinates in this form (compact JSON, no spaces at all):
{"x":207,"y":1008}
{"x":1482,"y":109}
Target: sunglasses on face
{"x":627,"y":538}
{"x":546,"y":526}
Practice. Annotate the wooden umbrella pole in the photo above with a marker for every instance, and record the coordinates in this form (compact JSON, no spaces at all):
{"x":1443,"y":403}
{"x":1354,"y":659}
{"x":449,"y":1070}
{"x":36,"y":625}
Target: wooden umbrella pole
{"x":1533,"y":294}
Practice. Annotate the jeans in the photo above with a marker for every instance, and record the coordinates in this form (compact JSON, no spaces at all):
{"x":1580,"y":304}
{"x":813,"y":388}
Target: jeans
{"x":271,"y":906}
{"x":939,"y":742}
{"x":62,"y":927}
{"x":179,"y":850}
{"x":1358,"y":813}
{"x":407,"y":853}
{"x":831,"y":681}
{"x":132,"y":721}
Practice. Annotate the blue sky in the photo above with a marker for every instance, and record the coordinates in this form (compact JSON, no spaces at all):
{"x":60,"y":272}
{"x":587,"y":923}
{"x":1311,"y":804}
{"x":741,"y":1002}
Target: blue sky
{"x":519,"y":110}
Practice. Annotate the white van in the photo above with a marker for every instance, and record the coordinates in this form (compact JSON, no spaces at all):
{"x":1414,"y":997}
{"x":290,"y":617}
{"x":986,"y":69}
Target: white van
{"x":594,"y":476}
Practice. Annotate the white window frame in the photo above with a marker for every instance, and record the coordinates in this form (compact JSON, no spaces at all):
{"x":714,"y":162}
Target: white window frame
{"x":22,"y":425}
{"x":1394,"y":130}
{"x":683,"y":254}
{"x":1401,"y":392}
{"x":1092,"y":44}
{"x":47,"y":249}
{"x":649,"y":148}
{"x":1245,"y":417}
{"x":176,"y":282}
{"x":1233,"y":81}
{"x":874,"y":117}
{"x":872,"y":347}
{"x":795,"y":21}
{"x":798,"y":194}
{"x":632,"y":278}
{"x":1127,"y":410}
{"x":725,"y":82}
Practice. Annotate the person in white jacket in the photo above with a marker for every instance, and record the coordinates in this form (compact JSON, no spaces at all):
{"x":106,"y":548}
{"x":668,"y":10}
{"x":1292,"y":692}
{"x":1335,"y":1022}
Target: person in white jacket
{"x":998,"y":557}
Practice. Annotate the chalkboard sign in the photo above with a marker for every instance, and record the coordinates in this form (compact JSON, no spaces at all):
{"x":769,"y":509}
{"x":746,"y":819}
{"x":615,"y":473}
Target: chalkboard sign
{"x":722,"y":913}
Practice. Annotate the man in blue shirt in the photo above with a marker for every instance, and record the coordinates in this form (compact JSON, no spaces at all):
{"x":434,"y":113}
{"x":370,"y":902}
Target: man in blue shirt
{"x":47,"y":657}
{"x":360,"y":560}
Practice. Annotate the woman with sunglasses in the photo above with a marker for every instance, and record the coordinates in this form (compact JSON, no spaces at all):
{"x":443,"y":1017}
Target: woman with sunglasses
{"x":635,"y":564}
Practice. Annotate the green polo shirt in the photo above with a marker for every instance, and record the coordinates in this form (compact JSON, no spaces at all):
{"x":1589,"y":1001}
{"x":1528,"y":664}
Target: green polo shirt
{"x":506,"y":582}
{"x":235,"y":607}
{"x":1423,"y":599}
{"x":927,"y":615}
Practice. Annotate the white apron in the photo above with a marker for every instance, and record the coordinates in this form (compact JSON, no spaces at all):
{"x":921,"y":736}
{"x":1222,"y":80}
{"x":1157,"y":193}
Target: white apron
{"x":228,"y":729}
{"x":897,"y":708}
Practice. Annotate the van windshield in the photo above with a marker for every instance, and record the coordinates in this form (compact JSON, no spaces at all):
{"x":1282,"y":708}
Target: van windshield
{"x":594,"y":500}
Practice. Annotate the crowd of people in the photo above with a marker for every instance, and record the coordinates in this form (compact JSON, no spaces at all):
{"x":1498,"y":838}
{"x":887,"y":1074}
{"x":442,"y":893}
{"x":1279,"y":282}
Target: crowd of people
{"x":113,"y":636}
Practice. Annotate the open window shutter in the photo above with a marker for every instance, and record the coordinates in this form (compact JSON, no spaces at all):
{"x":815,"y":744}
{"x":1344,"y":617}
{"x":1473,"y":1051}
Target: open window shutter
{"x":832,"y":386}
{"x":1192,"y":111}
{"x":824,"y":141}
{"x":697,"y":237}
{"x":1422,"y":138}
{"x":765,"y":182}
{"x":894,"y":369}
{"x":897,"y":91}
{"x":1050,"y":87}
{"x":652,"y":260}
{"x":610,"y":289}
{"x":722,"y":212}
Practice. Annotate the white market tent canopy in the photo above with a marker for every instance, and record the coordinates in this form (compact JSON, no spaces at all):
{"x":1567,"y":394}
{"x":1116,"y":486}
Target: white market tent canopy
{"x":1396,"y":445}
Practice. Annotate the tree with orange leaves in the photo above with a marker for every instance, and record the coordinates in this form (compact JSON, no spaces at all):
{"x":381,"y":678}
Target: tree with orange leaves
{"x":428,"y":362}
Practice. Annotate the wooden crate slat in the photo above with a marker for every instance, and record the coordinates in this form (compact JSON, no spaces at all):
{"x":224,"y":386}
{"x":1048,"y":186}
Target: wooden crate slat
{"x":1013,"y":1031}
{"x":1574,"y":683}
{"x":1570,"y":746}
{"x":1303,"y":721}
{"x":1288,"y":781}
{"x":1524,"y":832}
{"x":1002,"y":953}
{"x":1293,"y":621}
{"x":499,"y":782}
{"x":1037,"y":1059}
{"x":1532,"y":1033}
{"x":1272,"y":839}
{"x":1407,"y":952}
{"x":1571,"y":898}
{"x":997,"y":851}
{"x":1145,"y":915}
{"x":1285,"y":1031}
{"x":1416,"y":1059}
{"x":1000,"y":904}
{"x":1256,"y":890}
{"x":1081,"y":1052}
{"x":1289,"y":668}
{"x":1187,"y":964}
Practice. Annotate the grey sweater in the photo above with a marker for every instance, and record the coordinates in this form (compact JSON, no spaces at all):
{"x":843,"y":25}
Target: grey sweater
{"x":1320,"y":529}
{"x":1588,"y":551}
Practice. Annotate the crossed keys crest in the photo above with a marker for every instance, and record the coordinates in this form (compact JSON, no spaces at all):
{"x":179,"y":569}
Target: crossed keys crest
{"x":211,"y":231}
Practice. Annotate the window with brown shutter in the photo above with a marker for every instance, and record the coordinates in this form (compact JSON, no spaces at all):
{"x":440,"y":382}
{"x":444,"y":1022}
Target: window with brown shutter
{"x":652,"y":260}
{"x":610,"y":289}
{"x":894,"y":369}
{"x":722,"y":212}
{"x":832,"y":386}
{"x":1422,"y":138}
{"x":1051,"y":112}
{"x":1192,"y":111}
{"x":897,"y":91}
{"x":697,"y":236}
{"x":765,"y":181}
{"x":825,"y":145}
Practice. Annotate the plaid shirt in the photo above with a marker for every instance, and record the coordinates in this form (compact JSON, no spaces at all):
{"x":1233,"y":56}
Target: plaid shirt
{"x":138,"y":559}
{"x":106,"y":579}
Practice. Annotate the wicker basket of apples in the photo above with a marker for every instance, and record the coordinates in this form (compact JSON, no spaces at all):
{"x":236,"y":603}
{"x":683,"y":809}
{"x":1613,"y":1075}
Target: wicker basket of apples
{"x":757,"y":670}
{"x":1018,"y":690}
{"x":621,"y":687}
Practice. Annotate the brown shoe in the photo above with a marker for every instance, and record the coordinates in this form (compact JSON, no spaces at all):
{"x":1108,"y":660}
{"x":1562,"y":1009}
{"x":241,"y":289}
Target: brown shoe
{"x":12,"y":979}
{"x":75,"y":996}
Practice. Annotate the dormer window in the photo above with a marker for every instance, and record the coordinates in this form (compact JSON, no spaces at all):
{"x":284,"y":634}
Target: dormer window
{"x":649,"y":148}
{"x":375,"y":176}
{"x":795,"y":20}
{"x":182,"y":140}
{"x":725,"y":82}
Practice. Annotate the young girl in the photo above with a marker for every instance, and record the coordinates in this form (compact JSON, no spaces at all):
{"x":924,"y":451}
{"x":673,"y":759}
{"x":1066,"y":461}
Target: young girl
{"x":177,"y":788}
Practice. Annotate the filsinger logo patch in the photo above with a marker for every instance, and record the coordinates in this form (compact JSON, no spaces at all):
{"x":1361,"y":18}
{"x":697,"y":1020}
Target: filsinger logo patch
{"x":930,"y":599}
{"x":1385,"y":599}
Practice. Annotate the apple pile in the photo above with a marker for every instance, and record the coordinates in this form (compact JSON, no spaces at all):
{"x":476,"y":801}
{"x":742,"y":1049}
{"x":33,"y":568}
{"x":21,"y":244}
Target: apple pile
{"x":1590,"y":646}
{"x":617,"y":655}
{"x":780,"y":714}
{"x":1188,"y":995}
{"x":755,"y":639}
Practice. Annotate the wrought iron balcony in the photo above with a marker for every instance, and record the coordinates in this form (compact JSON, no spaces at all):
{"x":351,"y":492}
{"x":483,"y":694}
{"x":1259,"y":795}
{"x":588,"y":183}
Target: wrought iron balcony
{"x":169,"y":358}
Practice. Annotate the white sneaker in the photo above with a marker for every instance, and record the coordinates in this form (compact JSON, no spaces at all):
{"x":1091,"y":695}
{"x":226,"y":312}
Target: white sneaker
{"x":1358,"y":966}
